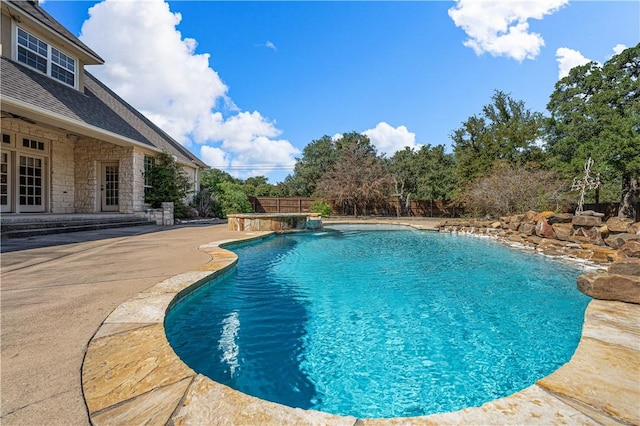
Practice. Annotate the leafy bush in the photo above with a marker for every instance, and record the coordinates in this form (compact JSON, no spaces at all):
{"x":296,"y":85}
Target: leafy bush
{"x":206,"y":204}
{"x":169,"y":183}
{"x":321,"y":207}
{"x":232,"y":199}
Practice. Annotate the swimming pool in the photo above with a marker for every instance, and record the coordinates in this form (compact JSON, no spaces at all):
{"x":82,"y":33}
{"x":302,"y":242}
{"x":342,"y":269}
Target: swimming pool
{"x":383,"y":323}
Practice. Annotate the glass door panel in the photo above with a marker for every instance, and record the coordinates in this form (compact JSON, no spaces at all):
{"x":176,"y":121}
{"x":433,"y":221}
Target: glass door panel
{"x":31,"y":184}
{"x":5,"y":183}
{"x":109,"y":188}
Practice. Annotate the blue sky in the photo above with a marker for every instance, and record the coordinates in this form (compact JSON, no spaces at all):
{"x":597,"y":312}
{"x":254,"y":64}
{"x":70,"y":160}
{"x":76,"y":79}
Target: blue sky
{"x":246,"y":85}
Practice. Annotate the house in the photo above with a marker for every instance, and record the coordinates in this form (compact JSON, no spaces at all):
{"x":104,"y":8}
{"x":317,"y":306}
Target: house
{"x":69,"y":143}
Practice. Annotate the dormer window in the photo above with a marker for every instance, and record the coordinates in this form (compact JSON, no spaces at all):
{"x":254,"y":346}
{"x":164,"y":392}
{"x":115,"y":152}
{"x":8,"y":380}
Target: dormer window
{"x":37,"y":54}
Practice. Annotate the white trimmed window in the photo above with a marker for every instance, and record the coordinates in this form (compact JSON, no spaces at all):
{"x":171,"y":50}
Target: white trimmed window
{"x":149,"y":162}
{"x":39,"y":55}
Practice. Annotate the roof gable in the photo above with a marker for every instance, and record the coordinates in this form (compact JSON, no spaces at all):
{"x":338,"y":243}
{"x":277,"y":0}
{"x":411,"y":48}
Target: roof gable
{"x":98,"y":107}
{"x":31,"y":10}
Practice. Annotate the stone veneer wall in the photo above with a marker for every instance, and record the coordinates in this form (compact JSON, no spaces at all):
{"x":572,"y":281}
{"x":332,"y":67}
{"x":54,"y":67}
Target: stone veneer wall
{"x":62,"y":176}
{"x":137,"y":180}
{"x":88,"y":155}
{"x":73,"y":170}
{"x":60,"y":181}
{"x":162,"y":216}
{"x":581,"y":237}
{"x":266,"y":222}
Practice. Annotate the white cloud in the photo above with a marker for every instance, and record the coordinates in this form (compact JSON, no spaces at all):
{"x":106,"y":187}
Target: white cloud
{"x":270,"y":45}
{"x":251,"y":139}
{"x":388,"y":139}
{"x":501,"y":27}
{"x":618,"y":48}
{"x":152,"y":66}
{"x":567,"y":59}
{"x":215,"y":157}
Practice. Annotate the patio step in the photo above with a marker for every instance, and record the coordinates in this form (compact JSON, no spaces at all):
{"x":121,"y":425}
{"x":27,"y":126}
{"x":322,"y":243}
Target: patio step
{"x":29,"y":227}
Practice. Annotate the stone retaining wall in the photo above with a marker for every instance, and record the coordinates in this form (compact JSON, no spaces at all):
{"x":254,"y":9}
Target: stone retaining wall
{"x":251,"y":222}
{"x":583,"y":237}
{"x":162,"y":216}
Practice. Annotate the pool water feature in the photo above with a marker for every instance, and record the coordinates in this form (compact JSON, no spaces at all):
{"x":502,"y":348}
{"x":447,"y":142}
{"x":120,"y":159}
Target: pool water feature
{"x":385,"y":323}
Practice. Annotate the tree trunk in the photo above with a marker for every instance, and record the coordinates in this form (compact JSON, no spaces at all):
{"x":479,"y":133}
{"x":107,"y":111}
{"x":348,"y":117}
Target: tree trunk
{"x":630,"y":192}
{"x":407,"y":207}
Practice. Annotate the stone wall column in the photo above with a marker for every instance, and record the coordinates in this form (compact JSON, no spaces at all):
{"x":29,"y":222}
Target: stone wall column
{"x":167,"y":213}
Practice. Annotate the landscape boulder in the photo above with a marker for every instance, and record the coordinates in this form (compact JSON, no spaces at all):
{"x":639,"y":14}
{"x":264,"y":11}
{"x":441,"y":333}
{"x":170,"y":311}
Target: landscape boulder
{"x":530,"y":217}
{"x":560,"y":218}
{"x":626,"y":266}
{"x":630,"y":249}
{"x":592,"y":213}
{"x":618,"y":240}
{"x":617,"y":224}
{"x":543,"y":229}
{"x":563,"y":231}
{"x":586,"y":220}
{"x":587,"y":235}
{"x":527,"y":228}
{"x":622,"y":288}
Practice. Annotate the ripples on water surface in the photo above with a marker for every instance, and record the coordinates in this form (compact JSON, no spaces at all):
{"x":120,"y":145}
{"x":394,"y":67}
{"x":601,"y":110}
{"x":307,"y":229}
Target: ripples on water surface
{"x":387,"y":323}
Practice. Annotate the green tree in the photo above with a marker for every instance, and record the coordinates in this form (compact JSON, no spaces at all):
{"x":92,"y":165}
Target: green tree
{"x":426,"y":173}
{"x":437,"y":179}
{"x":405,"y":170}
{"x":228,"y":192}
{"x":212,"y":178}
{"x":232,"y":198}
{"x":259,"y":186}
{"x":595,"y":112}
{"x":317,"y":158}
{"x":506,"y":131}
{"x":168,"y":183}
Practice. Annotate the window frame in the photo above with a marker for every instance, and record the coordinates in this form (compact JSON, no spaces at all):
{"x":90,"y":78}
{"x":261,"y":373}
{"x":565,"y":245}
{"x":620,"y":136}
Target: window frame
{"x":148,"y":162}
{"x":45,"y":58}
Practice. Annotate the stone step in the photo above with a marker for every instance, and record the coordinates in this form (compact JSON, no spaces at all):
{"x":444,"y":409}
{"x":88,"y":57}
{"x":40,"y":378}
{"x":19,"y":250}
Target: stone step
{"x":17,"y":225}
{"x":30,"y":229}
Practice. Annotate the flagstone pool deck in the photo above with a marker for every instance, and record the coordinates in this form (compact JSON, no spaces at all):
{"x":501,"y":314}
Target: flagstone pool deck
{"x":64,"y":363}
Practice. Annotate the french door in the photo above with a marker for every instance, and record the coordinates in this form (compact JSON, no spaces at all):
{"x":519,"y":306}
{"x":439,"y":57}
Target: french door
{"x":6,"y":193}
{"x":109,"y":188}
{"x":31,"y":183}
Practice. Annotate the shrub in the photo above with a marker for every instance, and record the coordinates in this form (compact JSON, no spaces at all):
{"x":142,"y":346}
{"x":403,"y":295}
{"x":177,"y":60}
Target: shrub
{"x":510,"y":189}
{"x":321,"y":207}
{"x":169,"y":183}
{"x":233,"y":199}
{"x":206,"y":204}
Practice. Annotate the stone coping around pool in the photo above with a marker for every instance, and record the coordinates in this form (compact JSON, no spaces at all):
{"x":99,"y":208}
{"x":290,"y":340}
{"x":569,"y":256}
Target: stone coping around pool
{"x":131,"y":375}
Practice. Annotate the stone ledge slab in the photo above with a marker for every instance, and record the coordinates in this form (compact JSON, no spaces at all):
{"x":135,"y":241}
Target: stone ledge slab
{"x":211,"y":403}
{"x":603,"y":376}
{"x":530,"y":406}
{"x":152,"y":408}
{"x":120,"y":367}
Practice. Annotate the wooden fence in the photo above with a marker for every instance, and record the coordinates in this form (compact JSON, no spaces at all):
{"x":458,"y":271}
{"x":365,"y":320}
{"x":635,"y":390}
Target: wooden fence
{"x":419,"y":208}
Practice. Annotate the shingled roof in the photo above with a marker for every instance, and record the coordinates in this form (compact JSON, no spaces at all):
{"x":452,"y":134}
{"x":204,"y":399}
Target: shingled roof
{"x":98,"y":107}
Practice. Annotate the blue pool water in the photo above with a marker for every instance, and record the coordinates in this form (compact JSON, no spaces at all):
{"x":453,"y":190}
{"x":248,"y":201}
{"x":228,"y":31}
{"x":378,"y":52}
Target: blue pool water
{"x":387,"y":323}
